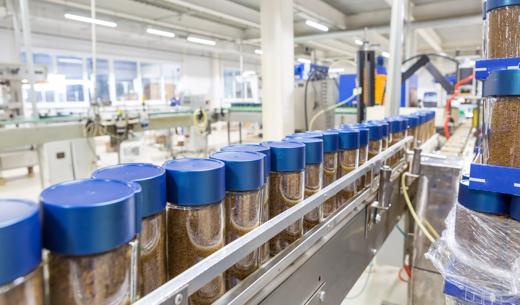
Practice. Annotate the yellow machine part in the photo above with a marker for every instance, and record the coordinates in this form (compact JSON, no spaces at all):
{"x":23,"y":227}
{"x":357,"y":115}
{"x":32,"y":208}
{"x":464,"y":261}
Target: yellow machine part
{"x":380,"y":89}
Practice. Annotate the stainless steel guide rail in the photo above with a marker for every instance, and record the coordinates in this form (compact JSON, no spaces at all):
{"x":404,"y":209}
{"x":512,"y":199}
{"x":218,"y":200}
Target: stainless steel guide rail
{"x":254,"y":289}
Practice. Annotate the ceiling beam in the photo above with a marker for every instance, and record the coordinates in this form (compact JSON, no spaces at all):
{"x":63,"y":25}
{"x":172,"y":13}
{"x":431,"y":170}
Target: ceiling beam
{"x":223,"y":9}
{"x":322,"y":11}
{"x":384,"y":29}
{"x":190,"y":25}
{"x":431,"y":38}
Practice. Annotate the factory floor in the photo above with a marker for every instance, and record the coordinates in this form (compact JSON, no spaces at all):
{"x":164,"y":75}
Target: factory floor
{"x":378,"y":285}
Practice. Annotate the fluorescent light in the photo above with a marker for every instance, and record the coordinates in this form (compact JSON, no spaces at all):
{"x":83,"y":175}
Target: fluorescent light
{"x":385,"y":54}
{"x":90,"y":20}
{"x":304,"y":60}
{"x":359,"y":42}
{"x":201,"y":41}
{"x":67,"y":60}
{"x":259,"y":52}
{"x":336,"y":70}
{"x":248,"y":73}
{"x":160,"y":33}
{"x":443,"y":54}
{"x":316,"y":25}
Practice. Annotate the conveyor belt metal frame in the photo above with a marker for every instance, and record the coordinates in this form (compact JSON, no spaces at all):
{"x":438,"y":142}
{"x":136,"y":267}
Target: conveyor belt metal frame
{"x":263,"y":284}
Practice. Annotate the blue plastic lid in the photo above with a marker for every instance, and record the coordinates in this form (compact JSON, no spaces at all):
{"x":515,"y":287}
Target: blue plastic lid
{"x":348,"y":139}
{"x":385,"y":127}
{"x":139,"y":203}
{"x":254,"y":148}
{"x":364,"y":136}
{"x":20,"y":239}
{"x":375,"y":131}
{"x":330,"y":141}
{"x":313,"y":148}
{"x":244,"y":169}
{"x":494,"y":4}
{"x":286,"y":156}
{"x":502,"y":83}
{"x":482,"y":201}
{"x":413,"y":121}
{"x":395,"y":124}
{"x":151,"y":178}
{"x":195,"y":181}
{"x":88,"y":216}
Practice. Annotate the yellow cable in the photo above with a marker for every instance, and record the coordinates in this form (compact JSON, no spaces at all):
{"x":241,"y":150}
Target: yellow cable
{"x":412,"y":211}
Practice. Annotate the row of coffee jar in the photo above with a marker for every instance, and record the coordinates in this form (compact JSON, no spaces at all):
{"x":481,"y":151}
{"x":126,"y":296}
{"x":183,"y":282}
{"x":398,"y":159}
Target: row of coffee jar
{"x":132,"y":227}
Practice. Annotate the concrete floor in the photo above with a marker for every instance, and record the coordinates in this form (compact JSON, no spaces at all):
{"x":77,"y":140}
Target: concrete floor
{"x":379,"y":284}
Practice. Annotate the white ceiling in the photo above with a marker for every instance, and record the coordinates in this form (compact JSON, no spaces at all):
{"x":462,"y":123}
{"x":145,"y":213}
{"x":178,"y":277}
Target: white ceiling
{"x":232,"y":21}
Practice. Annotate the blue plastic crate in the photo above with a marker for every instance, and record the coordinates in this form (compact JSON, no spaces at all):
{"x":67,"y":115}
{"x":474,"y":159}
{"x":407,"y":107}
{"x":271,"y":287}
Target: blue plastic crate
{"x":485,"y":66}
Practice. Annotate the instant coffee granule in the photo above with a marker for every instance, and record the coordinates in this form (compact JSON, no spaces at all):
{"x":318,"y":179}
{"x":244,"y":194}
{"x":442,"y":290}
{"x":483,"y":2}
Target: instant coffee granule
{"x":243,"y":211}
{"x":265,"y":251}
{"x":346,"y":163}
{"x":313,"y":182}
{"x":28,"y":292}
{"x":91,"y":279}
{"x":504,"y":32}
{"x":285,"y":191}
{"x":330,"y":171}
{"x":194,"y":233}
{"x":504,"y":132}
{"x":152,"y":264}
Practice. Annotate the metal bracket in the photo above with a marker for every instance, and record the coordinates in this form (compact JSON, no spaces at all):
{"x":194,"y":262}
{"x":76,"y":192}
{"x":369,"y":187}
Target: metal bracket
{"x":377,"y":208}
{"x":416,"y":161}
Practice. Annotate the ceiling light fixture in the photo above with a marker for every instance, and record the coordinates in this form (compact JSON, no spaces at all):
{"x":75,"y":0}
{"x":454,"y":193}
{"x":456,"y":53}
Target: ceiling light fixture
{"x":109,"y":24}
{"x":160,"y":33}
{"x":359,"y":42}
{"x":304,"y":60}
{"x":201,"y":41}
{"x":316,"y":25}
{"x":385,"y":54}
{"x":259,"y":52}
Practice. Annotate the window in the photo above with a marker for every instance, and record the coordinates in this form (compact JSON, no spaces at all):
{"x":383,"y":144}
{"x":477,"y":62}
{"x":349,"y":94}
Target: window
{"x":171,"y":74}
{"x":102,"y":74}
{"x":71,"y":69}
{"x":43,"y":91}
{"x":240,"y":87}
{"x":126,"y":80}
{"x":230,"y":84}
{"x":151,"y":80}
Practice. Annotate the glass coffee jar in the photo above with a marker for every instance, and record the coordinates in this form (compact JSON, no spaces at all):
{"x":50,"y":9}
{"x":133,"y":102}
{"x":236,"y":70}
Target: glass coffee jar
{"x":330,"y":167}
{"x":375,"y":145}
{"x":397,"y":133}
{"x":330,"y":162}
{"x":348,"y":160}
{"x":313,"y":176}
{"x":243,"y":205}
{"x":264,"y":251}
{"x":413,"y":121}
{"x":286,"y":188}
{"x":152,"y":237}
{"x":502,"y":108}
{"x":21,"y":273}
{"x":503,"y":30}
{"x":89,"y":229}
{"x":364,"y":139}
{"x":195,"y":219}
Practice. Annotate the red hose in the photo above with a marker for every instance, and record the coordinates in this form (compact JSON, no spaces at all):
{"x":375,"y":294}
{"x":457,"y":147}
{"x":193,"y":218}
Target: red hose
{"x":448,"y":103}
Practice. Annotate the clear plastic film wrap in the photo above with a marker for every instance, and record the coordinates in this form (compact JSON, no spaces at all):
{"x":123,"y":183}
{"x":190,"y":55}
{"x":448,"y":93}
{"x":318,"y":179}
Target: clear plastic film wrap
{"x":479,"y":255}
